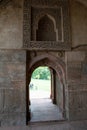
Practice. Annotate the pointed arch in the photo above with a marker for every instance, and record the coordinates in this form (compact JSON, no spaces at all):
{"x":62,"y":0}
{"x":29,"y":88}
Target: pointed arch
{"x":58,"y":73}
{"x":49,"y":60}
{"x":46,"y":28}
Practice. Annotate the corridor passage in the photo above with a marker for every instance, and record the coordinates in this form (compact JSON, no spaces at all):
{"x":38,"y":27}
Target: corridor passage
{"x":43,"y":109}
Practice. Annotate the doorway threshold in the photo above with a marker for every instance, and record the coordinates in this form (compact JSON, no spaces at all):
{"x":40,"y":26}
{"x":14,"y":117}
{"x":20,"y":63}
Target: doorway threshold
{"x":50,"y":122}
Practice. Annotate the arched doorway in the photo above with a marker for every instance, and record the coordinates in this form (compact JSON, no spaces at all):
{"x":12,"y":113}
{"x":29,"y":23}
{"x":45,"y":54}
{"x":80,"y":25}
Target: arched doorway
{"x":57,"y":69}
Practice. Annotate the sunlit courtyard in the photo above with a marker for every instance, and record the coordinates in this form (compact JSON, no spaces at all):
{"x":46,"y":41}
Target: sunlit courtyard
{"x":40,"y":88}
{"x":40,"y":85}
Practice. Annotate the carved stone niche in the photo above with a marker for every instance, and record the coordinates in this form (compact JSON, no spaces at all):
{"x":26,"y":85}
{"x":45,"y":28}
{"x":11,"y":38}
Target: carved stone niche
{"x":46,"y":25}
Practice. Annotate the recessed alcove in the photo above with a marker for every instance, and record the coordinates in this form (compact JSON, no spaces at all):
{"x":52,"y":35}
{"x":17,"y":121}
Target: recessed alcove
{"x":46,"y":26}
{"x":46,"y":29}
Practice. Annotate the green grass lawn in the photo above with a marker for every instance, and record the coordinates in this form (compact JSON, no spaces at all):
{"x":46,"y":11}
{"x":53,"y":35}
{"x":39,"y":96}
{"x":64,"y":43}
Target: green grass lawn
{"x":44,"y":85}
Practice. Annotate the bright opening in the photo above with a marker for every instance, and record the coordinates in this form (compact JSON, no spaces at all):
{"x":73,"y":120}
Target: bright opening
{"x":40,"y":85}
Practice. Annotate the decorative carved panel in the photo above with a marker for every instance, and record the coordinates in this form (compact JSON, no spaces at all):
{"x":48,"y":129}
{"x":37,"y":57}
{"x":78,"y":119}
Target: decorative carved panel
{"x":4,"y":3}
{"x":58,"y":13}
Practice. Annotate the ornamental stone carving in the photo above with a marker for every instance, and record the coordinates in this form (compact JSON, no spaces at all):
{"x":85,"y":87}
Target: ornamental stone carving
{"x":39,"y":16}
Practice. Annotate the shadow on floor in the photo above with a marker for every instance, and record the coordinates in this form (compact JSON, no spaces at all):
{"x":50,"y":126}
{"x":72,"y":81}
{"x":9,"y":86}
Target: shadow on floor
{"x":43,"y":110}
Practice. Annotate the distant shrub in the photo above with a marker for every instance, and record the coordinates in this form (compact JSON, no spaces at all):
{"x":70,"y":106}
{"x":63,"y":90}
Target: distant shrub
{"x":41,"y":73}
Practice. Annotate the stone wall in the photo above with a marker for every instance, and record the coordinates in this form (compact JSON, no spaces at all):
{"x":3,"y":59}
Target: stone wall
{"x":78,"y":23}
{"x":11,"y":24}
{"x":77,"y":84}
{"x":13,"y":63}
{"x":59,"y":94}
{"x":12,"y":87}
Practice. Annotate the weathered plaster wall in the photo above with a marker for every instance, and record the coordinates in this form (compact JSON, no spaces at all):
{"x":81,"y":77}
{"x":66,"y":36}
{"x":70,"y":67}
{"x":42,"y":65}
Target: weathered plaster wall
{"x":78,"y":23}
{"x":11,"y":24}
{"x":59,"y":93}
{"x":13,"y":64}
{"x":12,"y":87}
{"x":77,"y":84}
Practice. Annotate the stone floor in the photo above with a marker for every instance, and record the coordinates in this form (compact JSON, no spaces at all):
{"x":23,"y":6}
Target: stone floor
{"x":51,"y":124}
{"x":44,"y":110}
{"x":76,"y":125}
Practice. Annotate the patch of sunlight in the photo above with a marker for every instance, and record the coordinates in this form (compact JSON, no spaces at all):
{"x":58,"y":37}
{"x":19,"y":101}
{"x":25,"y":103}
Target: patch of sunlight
{"x":40,"y":88}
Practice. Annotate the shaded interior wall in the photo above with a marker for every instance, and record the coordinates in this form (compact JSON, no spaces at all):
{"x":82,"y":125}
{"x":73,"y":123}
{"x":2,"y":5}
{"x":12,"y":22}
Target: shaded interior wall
{"x":59,"y":94}
{"x":12,"y":64}
{"x":12,"y":87}
{"x":77,"y":84}
{"x":78,"y":23}
{"x":52,"y":85}
{"x":11,"y":24}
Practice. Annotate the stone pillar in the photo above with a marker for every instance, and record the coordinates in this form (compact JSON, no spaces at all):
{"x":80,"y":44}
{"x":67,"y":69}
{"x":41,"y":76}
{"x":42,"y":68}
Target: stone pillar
{"x":77,"y":84}
{"x":12,"y":87}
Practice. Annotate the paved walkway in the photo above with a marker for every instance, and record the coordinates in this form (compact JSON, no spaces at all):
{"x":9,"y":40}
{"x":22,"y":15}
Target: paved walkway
{"x":44,"y":110}
{"x":51,"y":125}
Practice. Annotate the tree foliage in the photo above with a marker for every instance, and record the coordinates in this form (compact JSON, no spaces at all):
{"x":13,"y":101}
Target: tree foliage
{"x":41,"y":73}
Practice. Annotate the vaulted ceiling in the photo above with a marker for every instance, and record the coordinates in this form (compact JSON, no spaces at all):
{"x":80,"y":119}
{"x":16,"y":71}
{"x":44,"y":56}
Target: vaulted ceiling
{"x":83,"y":2}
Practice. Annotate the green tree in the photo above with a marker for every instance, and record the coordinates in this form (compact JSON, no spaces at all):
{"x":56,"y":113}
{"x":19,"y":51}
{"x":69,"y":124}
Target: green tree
{"x":41,"y":73}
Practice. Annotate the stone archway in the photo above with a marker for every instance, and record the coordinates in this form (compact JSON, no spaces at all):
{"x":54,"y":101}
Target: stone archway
{"x":58,"y":67}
